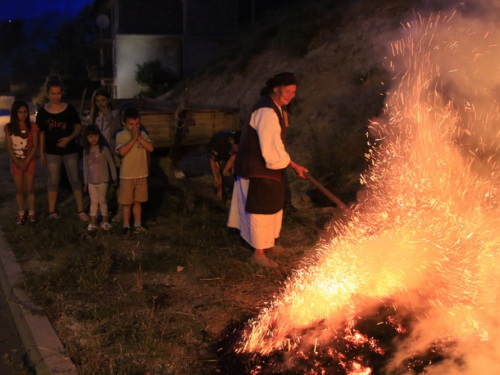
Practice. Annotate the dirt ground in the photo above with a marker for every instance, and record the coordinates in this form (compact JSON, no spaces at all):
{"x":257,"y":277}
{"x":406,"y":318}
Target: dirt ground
{"x":186,"y":307}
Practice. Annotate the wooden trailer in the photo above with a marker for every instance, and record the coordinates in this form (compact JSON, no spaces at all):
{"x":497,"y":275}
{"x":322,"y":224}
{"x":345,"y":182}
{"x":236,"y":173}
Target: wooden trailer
{"x":163,"y":119}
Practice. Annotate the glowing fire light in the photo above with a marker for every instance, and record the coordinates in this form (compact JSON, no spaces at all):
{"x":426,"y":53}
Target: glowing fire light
{"x":427,"y":239}
{"x":358,"y":369}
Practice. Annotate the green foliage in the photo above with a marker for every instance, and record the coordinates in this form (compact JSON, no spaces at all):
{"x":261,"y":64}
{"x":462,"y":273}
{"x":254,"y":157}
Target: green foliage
{"x":65,"y":51}
{"x":12,"y":36}
{"x":155,"y":77}
{"x":71,"y":50}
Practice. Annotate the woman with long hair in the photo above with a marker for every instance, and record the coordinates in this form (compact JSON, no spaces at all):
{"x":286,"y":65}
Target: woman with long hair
{"x":60,"y":125}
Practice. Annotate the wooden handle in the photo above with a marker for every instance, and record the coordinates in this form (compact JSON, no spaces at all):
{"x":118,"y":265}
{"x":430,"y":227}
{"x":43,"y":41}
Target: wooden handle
{"x":329,"y":195}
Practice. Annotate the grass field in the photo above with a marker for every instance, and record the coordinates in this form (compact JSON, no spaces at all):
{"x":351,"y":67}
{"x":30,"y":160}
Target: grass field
{"x":160,"y":302}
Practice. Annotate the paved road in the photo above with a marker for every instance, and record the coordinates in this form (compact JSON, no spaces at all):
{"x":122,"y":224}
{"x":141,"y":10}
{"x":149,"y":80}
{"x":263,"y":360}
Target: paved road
{"x":11,"y":347}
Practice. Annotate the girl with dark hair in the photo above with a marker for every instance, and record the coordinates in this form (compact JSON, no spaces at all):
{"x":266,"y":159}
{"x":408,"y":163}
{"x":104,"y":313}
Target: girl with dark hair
{"x":103,"y":115}
{"x":22,"y":143}
{"x":97,"y":163}
{"x":60,"y":125}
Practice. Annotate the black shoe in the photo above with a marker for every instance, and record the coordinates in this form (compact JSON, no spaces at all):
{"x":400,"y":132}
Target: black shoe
{"x":126,"y":233}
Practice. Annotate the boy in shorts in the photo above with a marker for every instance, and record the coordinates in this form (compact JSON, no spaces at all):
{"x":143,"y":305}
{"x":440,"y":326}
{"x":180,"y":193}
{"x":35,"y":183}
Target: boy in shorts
{"x":133,"y":144}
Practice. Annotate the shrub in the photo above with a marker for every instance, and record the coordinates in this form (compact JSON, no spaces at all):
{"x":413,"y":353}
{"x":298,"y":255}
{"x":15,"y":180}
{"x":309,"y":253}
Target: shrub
{"x":155,"y":77}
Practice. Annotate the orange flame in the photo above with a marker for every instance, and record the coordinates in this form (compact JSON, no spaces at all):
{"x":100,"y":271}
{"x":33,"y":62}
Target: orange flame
{"x":427,"y":236}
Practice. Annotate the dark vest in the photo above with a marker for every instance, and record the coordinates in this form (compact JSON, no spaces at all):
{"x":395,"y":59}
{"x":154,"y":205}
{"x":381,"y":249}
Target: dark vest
{"x":249,"y":160}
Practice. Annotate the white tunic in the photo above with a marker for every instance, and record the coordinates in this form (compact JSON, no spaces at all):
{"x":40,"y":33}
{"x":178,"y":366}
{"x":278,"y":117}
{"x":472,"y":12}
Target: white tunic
{"x":260,"y":231}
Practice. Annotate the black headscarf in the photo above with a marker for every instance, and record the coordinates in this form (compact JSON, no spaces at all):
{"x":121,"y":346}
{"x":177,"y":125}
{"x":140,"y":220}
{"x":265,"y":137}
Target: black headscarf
{"x":280,"y":79}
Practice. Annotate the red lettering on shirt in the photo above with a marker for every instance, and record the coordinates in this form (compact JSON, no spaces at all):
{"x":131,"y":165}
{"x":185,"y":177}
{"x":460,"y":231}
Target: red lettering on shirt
{"x":56,"y":124}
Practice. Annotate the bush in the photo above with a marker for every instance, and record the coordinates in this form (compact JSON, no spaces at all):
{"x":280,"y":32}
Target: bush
{"x":155,"y":77}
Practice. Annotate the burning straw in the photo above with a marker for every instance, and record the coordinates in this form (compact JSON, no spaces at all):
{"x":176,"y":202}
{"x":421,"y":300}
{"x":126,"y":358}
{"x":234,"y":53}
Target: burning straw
{"x":426,"y":241}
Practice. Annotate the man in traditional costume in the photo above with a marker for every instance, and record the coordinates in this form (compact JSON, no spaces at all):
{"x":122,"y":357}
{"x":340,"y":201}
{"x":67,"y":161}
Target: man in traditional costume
{"x":258,"y":194}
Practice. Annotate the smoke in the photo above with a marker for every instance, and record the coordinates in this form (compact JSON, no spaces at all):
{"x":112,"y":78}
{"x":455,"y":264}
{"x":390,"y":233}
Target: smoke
{"x":443,"y":120}
{"x":426,"y":238}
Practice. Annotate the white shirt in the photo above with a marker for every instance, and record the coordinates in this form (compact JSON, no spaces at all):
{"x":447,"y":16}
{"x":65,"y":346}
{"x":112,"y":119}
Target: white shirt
{"x":266,"y":122}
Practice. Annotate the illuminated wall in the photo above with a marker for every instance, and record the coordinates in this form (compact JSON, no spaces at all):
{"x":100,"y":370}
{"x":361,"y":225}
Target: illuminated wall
{"x":131,"y":50}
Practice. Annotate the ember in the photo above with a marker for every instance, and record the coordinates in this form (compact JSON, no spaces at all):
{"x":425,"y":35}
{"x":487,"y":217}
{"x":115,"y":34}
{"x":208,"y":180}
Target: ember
{"x":411,"y":283}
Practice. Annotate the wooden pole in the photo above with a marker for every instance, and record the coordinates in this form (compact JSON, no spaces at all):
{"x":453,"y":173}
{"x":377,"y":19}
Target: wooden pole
{"x":329,"y":195}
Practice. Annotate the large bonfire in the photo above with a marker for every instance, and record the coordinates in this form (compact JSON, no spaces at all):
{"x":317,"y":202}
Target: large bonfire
{"x":420,"y":256}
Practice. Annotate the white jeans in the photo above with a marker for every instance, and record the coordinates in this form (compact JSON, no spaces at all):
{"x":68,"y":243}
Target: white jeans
{"x":97,"y":194}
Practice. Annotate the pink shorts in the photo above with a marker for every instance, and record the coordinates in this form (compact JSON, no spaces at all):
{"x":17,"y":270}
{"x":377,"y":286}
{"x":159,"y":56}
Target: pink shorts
{"x":30,"y":169}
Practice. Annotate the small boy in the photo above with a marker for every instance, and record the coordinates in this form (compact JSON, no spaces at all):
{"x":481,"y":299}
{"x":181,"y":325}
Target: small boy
{"x":132,"y":144}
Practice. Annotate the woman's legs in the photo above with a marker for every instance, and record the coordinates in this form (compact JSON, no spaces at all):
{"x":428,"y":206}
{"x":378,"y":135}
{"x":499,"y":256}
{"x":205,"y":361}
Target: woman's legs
{"x":71,"y":165}
{"x":53,"y":163}
{"x":79,"y":200}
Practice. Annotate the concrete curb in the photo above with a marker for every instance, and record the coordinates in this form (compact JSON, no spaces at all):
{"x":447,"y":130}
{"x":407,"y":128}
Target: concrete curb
{"x":42,"y":345}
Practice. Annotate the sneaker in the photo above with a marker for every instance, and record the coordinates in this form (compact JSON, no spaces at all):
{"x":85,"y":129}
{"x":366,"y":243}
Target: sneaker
{"x":91,"y":227}
{"x":106,"y":226}
{"x":126,"y":233}
{"x":117,"y":218}
{"x":54,"y":215}
{"x":20,"y":219}
{"x":139,"y":229}
{"x":83,"y":216}
{"x":32,"y":219}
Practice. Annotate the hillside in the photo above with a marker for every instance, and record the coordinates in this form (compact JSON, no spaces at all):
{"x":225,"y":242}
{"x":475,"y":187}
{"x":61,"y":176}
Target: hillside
{"x":337,"y":51}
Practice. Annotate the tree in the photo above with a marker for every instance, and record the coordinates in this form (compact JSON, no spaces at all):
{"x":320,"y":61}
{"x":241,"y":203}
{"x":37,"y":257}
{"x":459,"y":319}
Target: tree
{"x":72,"y":50}
{"x":155,"y":77}
{"x":12,"y":44}
{"x":12,"y":37}
{"x":30,"y":67}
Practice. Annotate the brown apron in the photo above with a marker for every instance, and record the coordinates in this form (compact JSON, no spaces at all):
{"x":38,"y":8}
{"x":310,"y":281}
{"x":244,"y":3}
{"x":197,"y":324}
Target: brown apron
{"x":265,"y":196}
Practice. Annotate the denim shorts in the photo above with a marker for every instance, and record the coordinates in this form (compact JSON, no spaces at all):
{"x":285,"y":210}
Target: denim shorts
{"x":53,"y":163}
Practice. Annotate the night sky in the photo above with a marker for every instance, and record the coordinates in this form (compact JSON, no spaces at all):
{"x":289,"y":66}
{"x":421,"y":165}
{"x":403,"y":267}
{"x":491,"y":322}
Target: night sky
{"x":24,"y":9}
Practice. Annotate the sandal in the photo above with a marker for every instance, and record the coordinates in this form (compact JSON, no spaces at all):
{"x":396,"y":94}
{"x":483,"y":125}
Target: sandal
{"x":54,"y":215}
